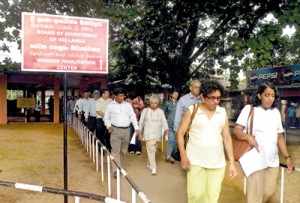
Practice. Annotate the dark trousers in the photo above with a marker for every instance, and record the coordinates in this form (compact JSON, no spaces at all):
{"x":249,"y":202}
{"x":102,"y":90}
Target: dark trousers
{"x":92,"y":123}
{"x":102,"y":134}
{"x":138,"y":144}
{"x":83,"y":119}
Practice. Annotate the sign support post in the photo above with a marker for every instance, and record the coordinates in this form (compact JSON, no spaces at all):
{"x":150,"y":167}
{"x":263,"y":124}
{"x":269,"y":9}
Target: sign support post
{"x":53,"y":43}
{"x":65,"y":139}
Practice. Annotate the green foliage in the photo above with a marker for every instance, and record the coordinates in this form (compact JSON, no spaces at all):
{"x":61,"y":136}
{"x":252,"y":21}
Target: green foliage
{"x":9,"y":67}
{"x":157,"y":42}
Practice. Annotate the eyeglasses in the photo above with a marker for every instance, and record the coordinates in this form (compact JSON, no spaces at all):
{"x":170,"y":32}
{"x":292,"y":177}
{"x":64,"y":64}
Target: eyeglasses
{"x":213,"y":98}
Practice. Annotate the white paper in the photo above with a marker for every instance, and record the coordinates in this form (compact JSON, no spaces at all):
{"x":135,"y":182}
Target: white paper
{"x":132,"y":141}
{"x":253,"y":161}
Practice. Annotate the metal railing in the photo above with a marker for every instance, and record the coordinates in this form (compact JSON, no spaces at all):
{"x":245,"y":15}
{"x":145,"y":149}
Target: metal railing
{"x":76,"y":194}
{"x":92,"y":145}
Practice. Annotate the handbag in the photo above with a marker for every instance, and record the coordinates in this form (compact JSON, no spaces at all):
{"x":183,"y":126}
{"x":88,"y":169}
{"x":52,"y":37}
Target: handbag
{"x":175,"y":152}
{"x":240,"y":147}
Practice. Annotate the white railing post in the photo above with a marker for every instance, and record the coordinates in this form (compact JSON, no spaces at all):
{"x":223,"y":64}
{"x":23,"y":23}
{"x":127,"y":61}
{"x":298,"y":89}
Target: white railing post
{"x":133,"y":195}
{"x":102,"y":164}
{"x":93,"y":147}
{"x":87,"y":139}
{"x":108,"y":176}
{"x":97,"y":155}
{"x":90,"y":143}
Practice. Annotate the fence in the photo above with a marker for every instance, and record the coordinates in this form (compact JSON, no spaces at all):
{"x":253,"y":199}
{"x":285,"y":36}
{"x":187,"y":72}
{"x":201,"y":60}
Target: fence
{"x":92,"y":145}
{"x":76,"y":194}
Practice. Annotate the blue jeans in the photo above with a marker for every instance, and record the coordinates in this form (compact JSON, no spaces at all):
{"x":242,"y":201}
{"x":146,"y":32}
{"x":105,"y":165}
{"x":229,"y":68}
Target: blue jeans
{"x":171,"y":144}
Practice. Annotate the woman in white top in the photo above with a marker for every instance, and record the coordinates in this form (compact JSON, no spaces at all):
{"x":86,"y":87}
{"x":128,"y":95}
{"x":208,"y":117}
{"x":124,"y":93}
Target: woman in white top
{"x":152,"y":121}
{"x":204,"y":157}
{"x":266,"y":138}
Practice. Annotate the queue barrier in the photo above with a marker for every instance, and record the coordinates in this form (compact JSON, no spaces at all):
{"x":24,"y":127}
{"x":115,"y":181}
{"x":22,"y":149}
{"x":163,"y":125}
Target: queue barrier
{"x":92,"y":145}
{"x":76,"y":194}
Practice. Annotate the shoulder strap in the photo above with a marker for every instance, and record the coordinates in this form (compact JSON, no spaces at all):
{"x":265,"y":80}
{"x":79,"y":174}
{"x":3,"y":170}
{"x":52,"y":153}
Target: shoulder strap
{"x":195,"y":108}
{"x":250,"y":116}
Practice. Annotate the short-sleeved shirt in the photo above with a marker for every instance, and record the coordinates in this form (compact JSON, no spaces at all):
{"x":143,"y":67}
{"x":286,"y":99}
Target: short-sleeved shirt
{"x":205,"y":146}
{"x":266,"y":126}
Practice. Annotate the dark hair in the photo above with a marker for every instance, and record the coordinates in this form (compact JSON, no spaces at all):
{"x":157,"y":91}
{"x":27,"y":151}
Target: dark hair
{"x":211,"y":86}
{"x":119,"y":90}
{"x":261,"y":88}
{"x":103,"y":91}
{"x":174,"y":90}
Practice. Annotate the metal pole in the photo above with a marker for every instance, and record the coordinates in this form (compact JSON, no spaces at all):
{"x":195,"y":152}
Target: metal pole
{"x":65,"y":139}
{"x":26,"y":109}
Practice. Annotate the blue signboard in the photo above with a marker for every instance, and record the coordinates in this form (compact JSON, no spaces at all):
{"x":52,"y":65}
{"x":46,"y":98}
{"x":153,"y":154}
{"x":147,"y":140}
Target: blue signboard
{"x":279,"y":76}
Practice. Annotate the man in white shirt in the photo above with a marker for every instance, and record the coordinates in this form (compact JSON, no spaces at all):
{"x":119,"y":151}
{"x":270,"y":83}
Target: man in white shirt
{"x":83,"y":105}
{"x":90,"y":114}
{"x":77,"y":103}
{"x":117,"y":118}
{"x":101,"y":106}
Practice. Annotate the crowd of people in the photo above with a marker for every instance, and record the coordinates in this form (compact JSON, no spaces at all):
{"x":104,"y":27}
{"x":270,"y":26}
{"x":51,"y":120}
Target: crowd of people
{"x":122,"y":122}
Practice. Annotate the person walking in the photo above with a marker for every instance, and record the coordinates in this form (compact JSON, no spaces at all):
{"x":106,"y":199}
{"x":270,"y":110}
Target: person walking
{"x":101,"y":106}
{"x":204,"y":157}
{"x":169,"y":109}
{"x":186,"y":101}
{"x":267,"y":137}
{"x":291,"y":111}
{"x":118,"y":116}
{"x":83,"y":107}
{"x":90,"y":114}
{"x":138,"y":105}
{"x":151,"y":123}
{"x":77,"y":104}
{"x":70,"y":109}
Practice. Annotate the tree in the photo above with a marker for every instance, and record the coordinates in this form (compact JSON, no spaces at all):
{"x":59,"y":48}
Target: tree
{"x":156,"y":42}
{"x":172,"y":35}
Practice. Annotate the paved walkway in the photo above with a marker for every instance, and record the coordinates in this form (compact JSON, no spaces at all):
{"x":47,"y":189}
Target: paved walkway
{"x":169,"y":185}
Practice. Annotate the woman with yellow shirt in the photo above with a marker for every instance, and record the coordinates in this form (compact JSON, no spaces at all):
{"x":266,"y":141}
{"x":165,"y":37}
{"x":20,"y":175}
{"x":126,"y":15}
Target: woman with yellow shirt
{"x":204,"y":157}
